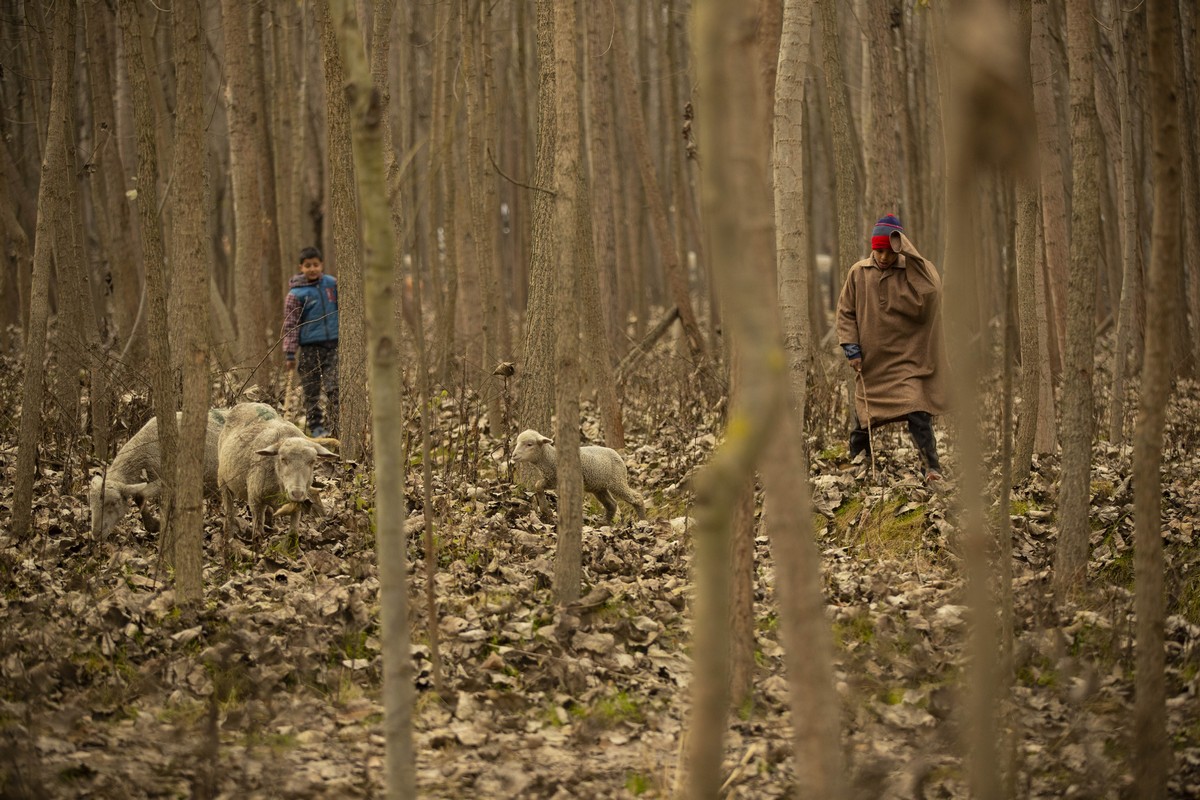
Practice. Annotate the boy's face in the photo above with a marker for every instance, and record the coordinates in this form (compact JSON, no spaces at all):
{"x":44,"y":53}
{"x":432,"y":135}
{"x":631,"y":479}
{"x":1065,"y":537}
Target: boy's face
{"x":885,"y":258}
{"x":312,"y":268}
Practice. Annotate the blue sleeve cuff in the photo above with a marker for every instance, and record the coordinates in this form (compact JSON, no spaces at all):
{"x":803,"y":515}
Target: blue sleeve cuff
{"x":852,"y":351}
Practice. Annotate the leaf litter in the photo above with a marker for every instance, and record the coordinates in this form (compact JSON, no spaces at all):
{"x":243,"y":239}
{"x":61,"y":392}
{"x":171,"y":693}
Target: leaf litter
{"x":273,"y":688}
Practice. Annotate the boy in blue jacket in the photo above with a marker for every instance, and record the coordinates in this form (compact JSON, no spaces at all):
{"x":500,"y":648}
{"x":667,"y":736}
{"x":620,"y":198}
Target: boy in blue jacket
{"x":310,"y":321}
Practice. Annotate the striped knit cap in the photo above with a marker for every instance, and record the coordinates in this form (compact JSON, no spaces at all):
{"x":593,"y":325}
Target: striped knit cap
{"x":881,"y":234}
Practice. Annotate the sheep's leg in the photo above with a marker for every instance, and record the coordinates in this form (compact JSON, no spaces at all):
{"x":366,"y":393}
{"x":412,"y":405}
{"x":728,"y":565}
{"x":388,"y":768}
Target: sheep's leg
{"x":294,"y":530}
{"x":541,"y":503}
{"x":257,"y":521}
{"x":610,"y":505}
{"x":227,"y":528}
{"x":149,"y":521}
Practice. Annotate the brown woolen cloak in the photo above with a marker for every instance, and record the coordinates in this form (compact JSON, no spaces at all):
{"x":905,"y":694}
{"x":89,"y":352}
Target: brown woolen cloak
{"x":894,"y":315}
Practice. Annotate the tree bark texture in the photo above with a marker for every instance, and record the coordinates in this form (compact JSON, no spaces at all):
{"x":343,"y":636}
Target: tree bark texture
{"x":1078,"y":400}
{"x":245,"y":166}
{"x":352,"y":419}
{"x":568,"y":565}
{"x":51,"y":205}
{"x":363,"y":112}
{"x":162,"y":379}
{"x":190,"y":256}
{"x":1151,"y":748}
{"x":537,"y":383}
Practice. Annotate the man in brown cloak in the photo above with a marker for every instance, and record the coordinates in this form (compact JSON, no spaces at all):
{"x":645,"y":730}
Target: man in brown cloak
{"x":889,"y":326}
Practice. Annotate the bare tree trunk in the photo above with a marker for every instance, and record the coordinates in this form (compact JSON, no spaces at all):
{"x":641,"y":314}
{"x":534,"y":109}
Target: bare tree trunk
{"x":245,"y":166}
{"x":482,"y":229}
{"x":883,"y":152}
{"x":999,"y":140}
{"x":537,"y":388}
{"x":1026,"y":252}
{"x":742,"y":640}
{"x":414,"y":316}
{"x":599,"y":129}
{"x":1078,"y":401}
{"x":1188,"y":341}
{"x":568,"y":557}
{"x":387,"y":408}
{"x":161,"y":367}
{"x":1151,"y":749}
{"x":1045,"y":438}
{"x":1131,"y":267}
{"x":116,"y":231}
{"x":670,"y":258}
{"x":791,"y":217}
{"x":846,"y":176}
{"x":190,"y":257}
{"x":51,"y":205}
{"x":1054,"y":204}
{"x":737,"y":206}
{"x":352,"y":421}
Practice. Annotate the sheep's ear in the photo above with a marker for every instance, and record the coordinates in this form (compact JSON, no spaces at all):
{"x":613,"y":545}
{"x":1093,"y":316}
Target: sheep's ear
{"x":325,"y":454}
{"x":273,"y":450}
{"x":546,"y":440}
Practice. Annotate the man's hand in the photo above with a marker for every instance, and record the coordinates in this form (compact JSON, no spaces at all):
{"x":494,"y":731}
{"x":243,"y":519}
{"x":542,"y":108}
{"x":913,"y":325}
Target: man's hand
{"x":856,"y":363}
{"x":289,"y":363}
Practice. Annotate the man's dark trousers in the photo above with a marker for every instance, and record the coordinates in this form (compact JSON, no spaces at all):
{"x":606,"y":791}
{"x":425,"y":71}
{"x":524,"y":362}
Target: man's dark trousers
{"x":920,"y":427}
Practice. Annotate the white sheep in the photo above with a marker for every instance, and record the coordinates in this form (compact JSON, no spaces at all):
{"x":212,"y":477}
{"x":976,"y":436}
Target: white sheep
{"x":264,"y":460}
{"x":604,"y":473}
{"x":134,"y":474}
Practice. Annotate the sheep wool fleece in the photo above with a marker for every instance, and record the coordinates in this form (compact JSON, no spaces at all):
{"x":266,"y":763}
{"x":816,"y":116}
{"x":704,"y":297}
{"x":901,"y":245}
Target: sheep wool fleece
{"x":894,"y":314}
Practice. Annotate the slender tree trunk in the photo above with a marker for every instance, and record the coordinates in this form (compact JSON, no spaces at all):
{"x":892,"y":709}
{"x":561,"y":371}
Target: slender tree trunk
{"x":482,"y":229}
{"x":244,"y":167}
{"x":364,"y":114}
{"x":352,"y":421}
{"x":883,"y":152}
{"x":670,"y":258}
{"x":117,"y":233}
{"x":568,"y":558}
{"x":51,"y":205}
{"x":1054,"y":204}
{"x":1188,"y":340}
{"x":190,"y":257}
{"x":846,"y":176}
{"x":161,"y":367}
{"x":737,"y":205}
{"x":791,"y":217}
{"x":599,"y":128}
{"x":1026,"y":252}
{"x":1078,"y":400}
{"x":537,"y":388}
{"x":1151,"y":749}
{"x":1045,"y":438}
{"x":1131,"y":267}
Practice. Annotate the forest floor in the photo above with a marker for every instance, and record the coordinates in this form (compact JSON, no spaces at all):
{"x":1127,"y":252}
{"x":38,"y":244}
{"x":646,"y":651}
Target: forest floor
{"x":273,"y":690}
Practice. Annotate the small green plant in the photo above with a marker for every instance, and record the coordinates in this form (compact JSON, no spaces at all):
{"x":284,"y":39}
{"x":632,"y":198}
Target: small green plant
{"x":893,"y":696}
{"x":637,"y":783}
{"x":857,"y":629}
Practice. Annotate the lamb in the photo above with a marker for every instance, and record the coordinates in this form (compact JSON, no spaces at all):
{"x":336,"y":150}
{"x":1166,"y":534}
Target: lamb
{"x":604,"y":473}
{"x":282,"y":473}
{"x":110,"y":492}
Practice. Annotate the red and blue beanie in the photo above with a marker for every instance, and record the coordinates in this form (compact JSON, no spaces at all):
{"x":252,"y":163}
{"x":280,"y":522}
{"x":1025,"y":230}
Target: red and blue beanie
{"x":881,"y":234}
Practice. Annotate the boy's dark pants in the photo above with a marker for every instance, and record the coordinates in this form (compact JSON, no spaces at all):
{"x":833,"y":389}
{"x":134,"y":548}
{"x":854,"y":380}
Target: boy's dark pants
{"x":920,"y":427}
{"x":318,"y":367}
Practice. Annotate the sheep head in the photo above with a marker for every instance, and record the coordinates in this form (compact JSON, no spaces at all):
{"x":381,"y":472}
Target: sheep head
{"x":108,"y":501}
{"x":529,"y":447}
{"x":294,"y":460}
